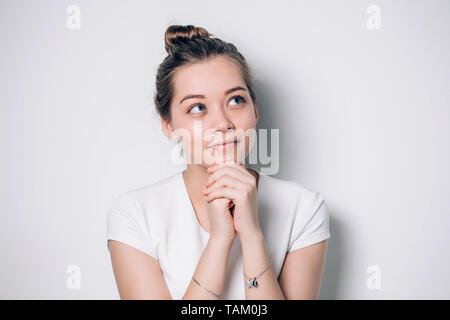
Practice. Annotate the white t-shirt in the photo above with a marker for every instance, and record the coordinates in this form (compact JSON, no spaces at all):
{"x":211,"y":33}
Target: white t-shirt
{"x":159,"y":220}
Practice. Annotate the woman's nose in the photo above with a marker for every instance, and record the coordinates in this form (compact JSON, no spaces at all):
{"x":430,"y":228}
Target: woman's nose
{"x":221,"y":121}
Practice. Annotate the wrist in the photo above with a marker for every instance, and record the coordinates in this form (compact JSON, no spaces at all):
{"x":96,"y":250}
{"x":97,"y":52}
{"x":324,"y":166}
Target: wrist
{"x":254,"y":236}
{"x":220,"y":242}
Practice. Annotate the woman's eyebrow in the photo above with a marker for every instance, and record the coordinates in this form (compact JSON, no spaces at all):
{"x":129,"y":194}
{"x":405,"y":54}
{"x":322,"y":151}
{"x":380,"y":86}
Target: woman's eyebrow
{"x":190,"y":96}
{"x":234,"y":89}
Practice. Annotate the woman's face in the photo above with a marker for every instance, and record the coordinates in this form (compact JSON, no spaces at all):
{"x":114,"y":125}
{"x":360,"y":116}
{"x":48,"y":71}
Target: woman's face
{"x":211,"y":105}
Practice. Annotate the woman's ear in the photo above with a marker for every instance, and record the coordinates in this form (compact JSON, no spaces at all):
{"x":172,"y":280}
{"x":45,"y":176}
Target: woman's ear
{"x":256,"y":111}
{"x":167,"y":129}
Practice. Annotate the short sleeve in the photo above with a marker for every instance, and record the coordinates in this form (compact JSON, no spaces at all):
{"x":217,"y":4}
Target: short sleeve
{"x":126,"y":223}
{"x":311,"y":223}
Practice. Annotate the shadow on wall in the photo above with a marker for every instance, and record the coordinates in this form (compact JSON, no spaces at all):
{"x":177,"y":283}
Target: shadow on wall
{"x":335,"y":260}
{"x":271,"y":116}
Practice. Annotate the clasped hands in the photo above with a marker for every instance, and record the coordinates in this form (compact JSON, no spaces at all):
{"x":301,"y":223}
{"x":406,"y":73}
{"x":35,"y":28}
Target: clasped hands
{"x":233,"y":181}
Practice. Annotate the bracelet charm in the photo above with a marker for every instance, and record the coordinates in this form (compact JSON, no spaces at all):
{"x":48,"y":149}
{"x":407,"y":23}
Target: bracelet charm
{"x":252,"y":283}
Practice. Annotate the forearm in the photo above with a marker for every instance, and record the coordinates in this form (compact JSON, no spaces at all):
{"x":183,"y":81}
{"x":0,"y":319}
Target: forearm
{"x":255,"y":259}
{"x":210,"y":271}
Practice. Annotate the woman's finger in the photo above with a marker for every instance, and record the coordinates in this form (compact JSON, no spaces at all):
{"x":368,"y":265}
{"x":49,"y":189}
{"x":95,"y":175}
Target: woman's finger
{"x":226,"y":181}
{"x":240,"y":166}
{"x":231,"y":171}
{"x":224,"y":192}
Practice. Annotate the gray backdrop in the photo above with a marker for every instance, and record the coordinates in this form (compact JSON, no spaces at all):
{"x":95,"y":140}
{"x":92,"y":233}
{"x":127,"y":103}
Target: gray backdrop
{"x":360,"y":95}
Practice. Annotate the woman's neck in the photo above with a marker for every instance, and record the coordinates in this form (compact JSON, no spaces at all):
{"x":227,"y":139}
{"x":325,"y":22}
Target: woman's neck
{"x":195,"y":177}
{"x":255,"y":174}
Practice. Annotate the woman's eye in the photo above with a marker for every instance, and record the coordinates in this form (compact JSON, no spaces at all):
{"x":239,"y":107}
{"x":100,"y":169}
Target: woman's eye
{"x":238,"y":98}
{"x":195,"y":106}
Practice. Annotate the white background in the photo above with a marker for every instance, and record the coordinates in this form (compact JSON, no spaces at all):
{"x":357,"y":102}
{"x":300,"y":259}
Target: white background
{"x":363,"y":117}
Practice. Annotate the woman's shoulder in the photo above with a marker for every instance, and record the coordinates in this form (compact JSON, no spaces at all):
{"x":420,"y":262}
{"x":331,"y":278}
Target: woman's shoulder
{"x":157,"y":187}
{"x":287,"y":187}
{"x":288,"y":194}
{"x":296,"y":206}
{"x":151,"y":196}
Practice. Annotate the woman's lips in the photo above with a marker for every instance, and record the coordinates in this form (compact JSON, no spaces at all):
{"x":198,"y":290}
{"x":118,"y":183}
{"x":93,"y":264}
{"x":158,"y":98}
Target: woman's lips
{"x":225,"y":144}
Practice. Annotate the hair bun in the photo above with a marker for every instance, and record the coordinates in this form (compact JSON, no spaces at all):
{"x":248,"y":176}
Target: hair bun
{"x":176,"y":34}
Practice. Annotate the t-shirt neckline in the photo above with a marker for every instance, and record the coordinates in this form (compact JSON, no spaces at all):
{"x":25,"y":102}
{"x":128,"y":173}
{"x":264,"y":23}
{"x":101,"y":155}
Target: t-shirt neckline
{"x":188,"y":202}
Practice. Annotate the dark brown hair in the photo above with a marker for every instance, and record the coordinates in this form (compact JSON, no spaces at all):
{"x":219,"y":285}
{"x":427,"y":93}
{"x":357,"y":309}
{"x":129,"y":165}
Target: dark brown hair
{"x":187,"y":45}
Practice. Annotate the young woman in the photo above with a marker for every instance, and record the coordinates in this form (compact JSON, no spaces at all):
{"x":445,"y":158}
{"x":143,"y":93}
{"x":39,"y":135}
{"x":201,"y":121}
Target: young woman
{"x":216,"y":230}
